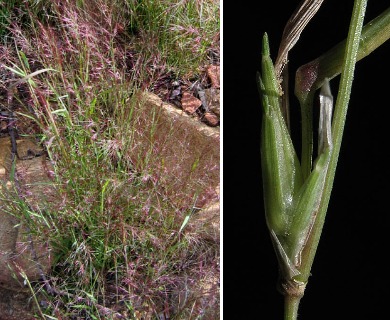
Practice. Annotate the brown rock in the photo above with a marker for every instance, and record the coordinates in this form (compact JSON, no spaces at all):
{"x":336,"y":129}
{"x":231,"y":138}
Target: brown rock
{"x":213,"y":72}
{"x":213,"y":100}
{"x":210,"y":119}
{"x":189,"y":103}
{"x":21,"y":253}
{"x":195,"y":138}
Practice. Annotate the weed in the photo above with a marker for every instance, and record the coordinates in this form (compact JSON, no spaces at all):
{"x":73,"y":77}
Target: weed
{"x":125,"y":177}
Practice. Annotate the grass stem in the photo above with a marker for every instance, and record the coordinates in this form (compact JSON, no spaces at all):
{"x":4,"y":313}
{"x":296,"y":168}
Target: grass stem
{"x":291,"y":305}
{"x":348,"y":67}
{"x":340,"y":113}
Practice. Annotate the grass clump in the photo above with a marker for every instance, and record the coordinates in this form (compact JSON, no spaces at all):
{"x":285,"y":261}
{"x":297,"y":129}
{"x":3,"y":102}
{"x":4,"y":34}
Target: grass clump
{"x":125,"y":176}
{"x":183,"y":31}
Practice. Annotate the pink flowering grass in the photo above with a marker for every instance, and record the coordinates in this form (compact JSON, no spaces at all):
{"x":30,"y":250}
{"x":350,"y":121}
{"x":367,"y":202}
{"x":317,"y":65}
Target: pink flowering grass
{"x":125,"y":176}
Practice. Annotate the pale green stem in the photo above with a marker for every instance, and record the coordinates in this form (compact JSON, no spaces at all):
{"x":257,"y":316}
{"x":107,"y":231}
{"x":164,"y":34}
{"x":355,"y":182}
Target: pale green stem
{"x":291,"y":305}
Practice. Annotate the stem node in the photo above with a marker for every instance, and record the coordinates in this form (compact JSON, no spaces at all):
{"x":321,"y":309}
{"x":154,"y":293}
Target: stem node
{"x":292,"y":288}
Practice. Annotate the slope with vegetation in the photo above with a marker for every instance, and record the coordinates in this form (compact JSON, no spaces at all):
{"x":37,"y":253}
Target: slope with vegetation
{"x":124,"y":235}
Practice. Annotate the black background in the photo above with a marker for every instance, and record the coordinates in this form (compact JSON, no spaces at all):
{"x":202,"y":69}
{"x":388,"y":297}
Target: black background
{"x":350,"y":273}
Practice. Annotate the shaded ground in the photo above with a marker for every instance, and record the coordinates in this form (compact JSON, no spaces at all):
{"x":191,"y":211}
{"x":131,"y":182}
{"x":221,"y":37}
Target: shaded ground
{"x":15,"y":305}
